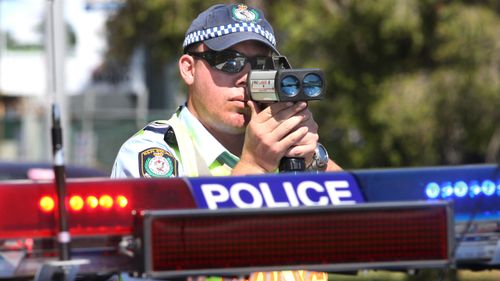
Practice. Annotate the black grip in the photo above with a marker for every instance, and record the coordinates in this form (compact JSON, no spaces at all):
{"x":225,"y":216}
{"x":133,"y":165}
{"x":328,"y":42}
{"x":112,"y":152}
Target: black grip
{"x":292,"y":164}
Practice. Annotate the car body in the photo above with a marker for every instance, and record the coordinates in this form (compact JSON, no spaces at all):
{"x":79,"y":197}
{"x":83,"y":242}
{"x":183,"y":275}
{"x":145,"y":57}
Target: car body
{"x":43,"y":171}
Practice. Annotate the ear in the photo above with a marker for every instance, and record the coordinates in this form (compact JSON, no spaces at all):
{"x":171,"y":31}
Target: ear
{"x":186,"y":68}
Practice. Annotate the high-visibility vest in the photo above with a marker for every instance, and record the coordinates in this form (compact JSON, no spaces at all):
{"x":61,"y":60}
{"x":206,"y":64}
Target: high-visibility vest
{"x":288,"y":275}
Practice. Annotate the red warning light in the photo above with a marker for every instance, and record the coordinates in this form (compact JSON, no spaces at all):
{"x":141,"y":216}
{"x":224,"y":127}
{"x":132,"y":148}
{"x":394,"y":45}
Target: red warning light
{"x":40,"y":202}
{"x":106,"y":202}
{"x":76,"y":203}
{"x":47,"y":204}
{"x":121,"y":201}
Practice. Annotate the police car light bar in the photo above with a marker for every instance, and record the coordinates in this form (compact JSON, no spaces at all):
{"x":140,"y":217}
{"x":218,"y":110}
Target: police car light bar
{"x":234,"y":242}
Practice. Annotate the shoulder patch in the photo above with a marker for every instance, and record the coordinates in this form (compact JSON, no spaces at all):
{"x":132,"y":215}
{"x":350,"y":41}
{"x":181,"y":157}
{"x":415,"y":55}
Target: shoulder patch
{"x":157,"y":162}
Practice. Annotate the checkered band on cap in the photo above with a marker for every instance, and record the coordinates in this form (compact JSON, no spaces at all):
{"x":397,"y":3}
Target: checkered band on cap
{"x":202,"y":35}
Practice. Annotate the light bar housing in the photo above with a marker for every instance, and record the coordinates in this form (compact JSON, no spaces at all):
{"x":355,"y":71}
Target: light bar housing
{"x":235,"y":242}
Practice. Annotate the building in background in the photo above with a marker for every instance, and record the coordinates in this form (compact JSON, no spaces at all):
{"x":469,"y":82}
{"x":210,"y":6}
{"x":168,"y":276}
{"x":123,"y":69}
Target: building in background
{"x":98,"y":94}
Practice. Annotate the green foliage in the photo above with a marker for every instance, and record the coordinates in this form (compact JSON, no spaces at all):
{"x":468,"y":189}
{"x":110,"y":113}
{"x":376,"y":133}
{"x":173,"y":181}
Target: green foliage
{"x":158,"y":25}
{"x":409,"y":82}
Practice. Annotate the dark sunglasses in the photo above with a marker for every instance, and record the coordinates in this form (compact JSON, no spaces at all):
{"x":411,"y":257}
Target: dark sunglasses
{"x":231,"y":61}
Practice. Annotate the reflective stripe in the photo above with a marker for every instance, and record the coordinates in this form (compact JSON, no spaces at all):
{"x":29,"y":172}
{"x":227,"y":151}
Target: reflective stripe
{"x":292,"y":275}
{"x":296,"y":275}
{"x":227,"y":159}
{"x":215,"y":278}
{"x":316,"y":276}
{"x":192,"y":162}
{"x":218,"y":169}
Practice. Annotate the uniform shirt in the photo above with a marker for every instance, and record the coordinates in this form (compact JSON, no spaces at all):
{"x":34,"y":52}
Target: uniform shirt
{"x":147,"y":154}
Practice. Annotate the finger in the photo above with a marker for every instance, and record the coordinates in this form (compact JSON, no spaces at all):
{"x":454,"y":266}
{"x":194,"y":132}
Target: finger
{"x":254,"y":109}
{"x":292,"y":138}
{"x":277,"y":110}
{"x":288,"y":126}
{"x":301,"y":119}
{"x":298,"y":152}
{"x":304,"y":151}
{"x":305,"y":148}
{"x":276,"y":115}
{"x":256,"y":126}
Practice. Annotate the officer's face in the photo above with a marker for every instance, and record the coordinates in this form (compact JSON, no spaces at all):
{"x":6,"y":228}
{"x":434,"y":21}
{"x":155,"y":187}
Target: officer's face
{"x":217,"y":98}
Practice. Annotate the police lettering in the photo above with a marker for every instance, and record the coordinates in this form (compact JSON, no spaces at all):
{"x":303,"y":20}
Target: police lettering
{"x":307,"y":193}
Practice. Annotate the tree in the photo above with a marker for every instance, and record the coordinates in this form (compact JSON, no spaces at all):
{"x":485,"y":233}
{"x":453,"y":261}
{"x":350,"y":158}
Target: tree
{"x":409,"y":82}
{"x":157,"y":26}
{"x":403,"y":77}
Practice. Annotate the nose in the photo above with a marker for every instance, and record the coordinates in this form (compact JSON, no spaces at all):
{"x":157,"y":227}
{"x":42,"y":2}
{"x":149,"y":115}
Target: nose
{"x":242,"y":79}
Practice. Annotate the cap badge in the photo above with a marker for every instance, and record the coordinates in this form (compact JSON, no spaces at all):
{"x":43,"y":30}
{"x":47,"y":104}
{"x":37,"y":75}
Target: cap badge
{"x":241,"y":13}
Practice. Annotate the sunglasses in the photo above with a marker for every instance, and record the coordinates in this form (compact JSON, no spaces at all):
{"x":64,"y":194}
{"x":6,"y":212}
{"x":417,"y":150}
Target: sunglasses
{"x":231,"y":61}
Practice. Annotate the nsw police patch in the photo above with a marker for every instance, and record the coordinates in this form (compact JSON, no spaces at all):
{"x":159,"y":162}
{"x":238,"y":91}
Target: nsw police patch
{"x":157,"y":162}
{"x":242,"y":13}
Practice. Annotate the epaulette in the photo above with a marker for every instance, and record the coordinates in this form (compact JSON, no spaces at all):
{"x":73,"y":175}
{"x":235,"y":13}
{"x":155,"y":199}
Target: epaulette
{"x":159,"y":127}
{"x":162,"y":127}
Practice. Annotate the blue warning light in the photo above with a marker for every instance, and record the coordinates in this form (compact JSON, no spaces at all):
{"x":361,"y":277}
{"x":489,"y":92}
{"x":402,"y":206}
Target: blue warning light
{"x":460,"y":189}
{"x":446,"y":190}
{"x":475,"y":189}
{"x":488,"y":187}
{"x":432,"y":190}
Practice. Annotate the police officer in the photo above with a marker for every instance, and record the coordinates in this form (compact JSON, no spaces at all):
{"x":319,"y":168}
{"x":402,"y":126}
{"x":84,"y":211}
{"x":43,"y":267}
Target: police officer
{"x":219,"y":131}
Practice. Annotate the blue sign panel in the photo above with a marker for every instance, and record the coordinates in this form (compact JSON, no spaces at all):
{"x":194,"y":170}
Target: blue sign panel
{"x":104,"y":4}
{"x":276,"y":190}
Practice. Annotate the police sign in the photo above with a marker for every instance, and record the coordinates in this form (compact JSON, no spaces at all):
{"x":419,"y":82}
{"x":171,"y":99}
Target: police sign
{"x":272,"y":191}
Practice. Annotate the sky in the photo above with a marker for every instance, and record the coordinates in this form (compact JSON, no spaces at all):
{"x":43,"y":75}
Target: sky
{"x":21,"y":18}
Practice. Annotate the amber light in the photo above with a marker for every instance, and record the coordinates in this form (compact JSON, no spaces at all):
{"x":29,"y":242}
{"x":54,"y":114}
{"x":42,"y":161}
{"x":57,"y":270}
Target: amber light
{"x":47,"y":204}
{"x":106,"y":201}
{"x":121,"y":201}
{"x":92,"y":202}
{"x":76,"y":203}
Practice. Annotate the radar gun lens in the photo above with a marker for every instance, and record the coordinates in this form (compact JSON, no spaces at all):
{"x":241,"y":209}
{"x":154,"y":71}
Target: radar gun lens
{"x":313,"y":84}
{"x":290,"y":86}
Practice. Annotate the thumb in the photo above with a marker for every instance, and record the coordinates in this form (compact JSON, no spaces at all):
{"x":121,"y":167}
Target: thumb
{"x":254,"y":108}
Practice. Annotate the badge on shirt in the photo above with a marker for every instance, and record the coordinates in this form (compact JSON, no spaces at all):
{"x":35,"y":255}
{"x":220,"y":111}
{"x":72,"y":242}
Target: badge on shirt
{"x":156,"y":162}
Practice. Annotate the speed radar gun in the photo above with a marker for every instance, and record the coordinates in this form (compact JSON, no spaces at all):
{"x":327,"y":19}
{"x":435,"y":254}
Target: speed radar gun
{"x":284,"y":84}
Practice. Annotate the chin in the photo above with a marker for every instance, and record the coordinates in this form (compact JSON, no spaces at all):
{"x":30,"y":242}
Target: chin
{"x":234,"y":125}
{"x":235,"y":130}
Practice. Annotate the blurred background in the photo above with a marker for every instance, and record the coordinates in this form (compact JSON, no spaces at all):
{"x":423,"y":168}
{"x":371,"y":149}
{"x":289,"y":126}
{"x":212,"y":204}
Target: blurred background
{"x":409,"y":82}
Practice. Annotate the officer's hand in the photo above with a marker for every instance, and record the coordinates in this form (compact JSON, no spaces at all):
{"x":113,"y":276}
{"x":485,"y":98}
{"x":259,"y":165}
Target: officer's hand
{"x":275,"y":131}
{"x":306,"y":146}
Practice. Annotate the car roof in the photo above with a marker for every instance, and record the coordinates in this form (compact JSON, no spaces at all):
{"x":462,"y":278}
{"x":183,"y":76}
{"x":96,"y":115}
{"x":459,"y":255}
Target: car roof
{"x":39,"y":171}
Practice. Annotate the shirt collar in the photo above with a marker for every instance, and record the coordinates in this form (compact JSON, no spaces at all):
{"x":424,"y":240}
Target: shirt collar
{"x":209,"y":147}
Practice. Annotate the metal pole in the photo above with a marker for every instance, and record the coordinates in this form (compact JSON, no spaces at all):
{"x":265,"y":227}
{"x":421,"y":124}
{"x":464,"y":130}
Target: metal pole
{"x":55,"y":49}
{"x":56,"y":90}
{"x":63,"y":236}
